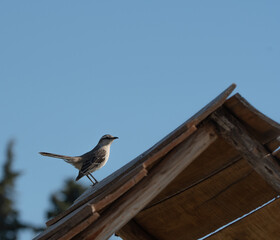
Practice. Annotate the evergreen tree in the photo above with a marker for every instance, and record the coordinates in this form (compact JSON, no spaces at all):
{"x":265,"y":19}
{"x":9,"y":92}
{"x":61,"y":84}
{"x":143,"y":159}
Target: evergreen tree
{"x":9,"y":220}
{"x":63,"y":199}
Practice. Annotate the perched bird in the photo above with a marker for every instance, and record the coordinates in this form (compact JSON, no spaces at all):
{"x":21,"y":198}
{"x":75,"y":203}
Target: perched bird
{"x":90,"y":161}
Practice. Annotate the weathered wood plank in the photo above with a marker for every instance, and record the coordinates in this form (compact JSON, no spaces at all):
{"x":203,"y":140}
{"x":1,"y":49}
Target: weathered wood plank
{"x":214,"y":159}
{"x":132,"y":231}
{"x":208,"y":205}
{"x":103,"y":200}
{"x":262,"y":127}
{"x":123,"y":209}
{"x":262,"y":224}
{"x":237,"y":135}
{"x":67,"y":234}
{"x":169,"y":146}
{"x":68,"y":222}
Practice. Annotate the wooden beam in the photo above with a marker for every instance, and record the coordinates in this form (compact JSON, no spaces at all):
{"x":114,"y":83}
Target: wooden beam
{"x":69,"y":233}
{"x":127,"y":206}
{"x":67,"y":223}
{"x":132,"y":231}
{"x":251,"y":149}
{"x":263,"y":128}
{"x":163,"y":151}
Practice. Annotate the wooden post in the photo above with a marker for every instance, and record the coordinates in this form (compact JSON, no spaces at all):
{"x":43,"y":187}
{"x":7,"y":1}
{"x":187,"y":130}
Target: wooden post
{"x":127,"y":206}
{"x":252,"y":150}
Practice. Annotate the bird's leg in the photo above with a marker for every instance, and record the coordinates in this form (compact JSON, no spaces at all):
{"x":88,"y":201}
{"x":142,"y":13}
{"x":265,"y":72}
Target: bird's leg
{"x":89,"y":175}
{"x":93,"y":178}
{"x":93,"y":183}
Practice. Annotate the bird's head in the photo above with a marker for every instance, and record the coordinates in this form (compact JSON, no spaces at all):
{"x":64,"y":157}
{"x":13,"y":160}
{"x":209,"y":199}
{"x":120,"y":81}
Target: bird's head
{"x":107,"y":139}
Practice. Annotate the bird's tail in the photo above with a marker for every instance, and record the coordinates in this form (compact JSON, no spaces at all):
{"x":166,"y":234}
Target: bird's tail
{"x":80,"y":175}
{"x":66,"y":158}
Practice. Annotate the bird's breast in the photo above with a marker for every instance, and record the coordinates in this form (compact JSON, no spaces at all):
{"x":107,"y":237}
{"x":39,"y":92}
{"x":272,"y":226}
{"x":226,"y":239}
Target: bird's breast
{"x":106,"y":157}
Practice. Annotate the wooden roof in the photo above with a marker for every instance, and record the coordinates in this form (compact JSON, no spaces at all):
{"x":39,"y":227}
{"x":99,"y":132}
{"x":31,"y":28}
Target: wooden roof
{"x":217,"y":166}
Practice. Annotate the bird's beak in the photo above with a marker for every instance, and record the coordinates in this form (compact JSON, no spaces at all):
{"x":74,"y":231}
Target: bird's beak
{"x":115,"y":138}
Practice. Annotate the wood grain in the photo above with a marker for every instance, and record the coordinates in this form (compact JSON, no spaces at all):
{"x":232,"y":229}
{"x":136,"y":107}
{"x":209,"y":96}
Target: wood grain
{"x":208,"y":205}
{"x":251,"y":149}
{"x":168,"y":147}
{"x":103,"y":200}
{"x":207,"y":164}
{"x":68,"y":233}
{"x":257,"y":124}
{"x":68,"y":222}
{"x":260,"y":225}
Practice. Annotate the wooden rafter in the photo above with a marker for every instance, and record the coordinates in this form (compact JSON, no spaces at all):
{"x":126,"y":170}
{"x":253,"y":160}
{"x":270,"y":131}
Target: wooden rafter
{"x":252,"y":150}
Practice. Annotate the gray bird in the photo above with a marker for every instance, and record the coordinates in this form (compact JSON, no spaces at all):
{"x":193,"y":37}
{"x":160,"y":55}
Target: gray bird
{"x":90,"y":161}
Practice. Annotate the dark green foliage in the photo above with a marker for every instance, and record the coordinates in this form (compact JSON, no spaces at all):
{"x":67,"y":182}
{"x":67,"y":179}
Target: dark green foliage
{"x":63,"y":199}
{"x":9,"y":222}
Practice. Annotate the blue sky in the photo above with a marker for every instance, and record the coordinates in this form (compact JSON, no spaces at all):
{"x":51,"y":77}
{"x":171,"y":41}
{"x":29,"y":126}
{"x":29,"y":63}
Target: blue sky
{"x":72,"y":71}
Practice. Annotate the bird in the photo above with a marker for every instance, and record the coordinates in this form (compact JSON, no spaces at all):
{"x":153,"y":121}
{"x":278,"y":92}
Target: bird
{"x":90,"y":161}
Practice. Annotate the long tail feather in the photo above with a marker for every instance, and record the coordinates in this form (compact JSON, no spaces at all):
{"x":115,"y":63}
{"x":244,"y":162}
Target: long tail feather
{"x":57,"y":156}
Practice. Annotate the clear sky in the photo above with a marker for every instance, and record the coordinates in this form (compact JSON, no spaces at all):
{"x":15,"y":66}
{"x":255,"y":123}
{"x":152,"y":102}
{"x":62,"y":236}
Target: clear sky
{"x":72,"y":71}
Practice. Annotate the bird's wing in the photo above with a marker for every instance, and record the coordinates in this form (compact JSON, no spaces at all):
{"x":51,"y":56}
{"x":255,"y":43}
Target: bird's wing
{"x":93,"y":160}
